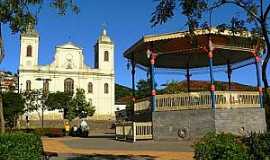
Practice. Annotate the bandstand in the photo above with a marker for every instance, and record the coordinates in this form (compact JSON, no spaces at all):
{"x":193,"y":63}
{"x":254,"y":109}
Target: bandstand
{"x":192,"y":114}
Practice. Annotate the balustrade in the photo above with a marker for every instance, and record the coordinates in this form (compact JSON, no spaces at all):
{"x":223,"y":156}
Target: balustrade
{"x":196,"y":100}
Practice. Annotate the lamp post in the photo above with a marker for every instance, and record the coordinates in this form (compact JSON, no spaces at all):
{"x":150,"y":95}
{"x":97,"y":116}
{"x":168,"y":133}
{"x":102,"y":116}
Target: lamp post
{"x":43,"y":97}
{"x":21,"y":88}
{"x":258,"y":64}
{"x":152,"y":58}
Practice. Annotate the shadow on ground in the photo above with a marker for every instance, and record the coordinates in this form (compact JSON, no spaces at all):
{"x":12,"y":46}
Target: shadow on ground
{"x":105,"y":157}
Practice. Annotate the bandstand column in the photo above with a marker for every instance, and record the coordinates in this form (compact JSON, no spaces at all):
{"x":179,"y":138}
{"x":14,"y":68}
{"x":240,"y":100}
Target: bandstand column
{"x":153,"y":57}
{"x":133,"y":66}
{"x":259,"y":77}
{"x":133,"y":81}
{"x":212,"y":88}
{"x":188,"y":75}
{"x":229,"y":73}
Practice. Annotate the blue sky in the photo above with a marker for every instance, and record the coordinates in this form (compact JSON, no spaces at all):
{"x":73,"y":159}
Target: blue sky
{"x":127,"y":21}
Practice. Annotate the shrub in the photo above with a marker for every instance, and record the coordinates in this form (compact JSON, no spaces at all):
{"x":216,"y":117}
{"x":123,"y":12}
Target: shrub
{"x":258,"y":145}
{"x":20,"y":146}
{"x":220,"y":147}
{"x":54,"y":132}
{"x":50,"y":132}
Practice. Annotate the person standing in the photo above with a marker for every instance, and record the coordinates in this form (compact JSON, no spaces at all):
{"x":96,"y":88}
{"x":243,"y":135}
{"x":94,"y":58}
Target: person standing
{"x":84,"y":128}
{"x":67,"y":128}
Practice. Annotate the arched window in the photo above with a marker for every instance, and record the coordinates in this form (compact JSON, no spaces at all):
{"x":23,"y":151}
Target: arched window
{"x":46,"y":86}
{"x":28,"y":85}
{"x":106,"y":56}
{"x":68,"y":85}
{"x":106,"y":88}
{"x":90,"y":87}
{"x":29,"y":51}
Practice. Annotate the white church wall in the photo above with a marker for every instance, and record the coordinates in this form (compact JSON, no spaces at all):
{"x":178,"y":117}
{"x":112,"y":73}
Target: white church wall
{"x":69,"y":63}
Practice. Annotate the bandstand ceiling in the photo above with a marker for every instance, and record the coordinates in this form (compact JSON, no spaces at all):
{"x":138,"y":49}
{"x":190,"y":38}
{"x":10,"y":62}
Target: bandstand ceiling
{"x":175,"y":50}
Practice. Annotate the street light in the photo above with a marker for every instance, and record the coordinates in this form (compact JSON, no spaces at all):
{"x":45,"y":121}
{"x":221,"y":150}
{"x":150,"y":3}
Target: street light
{"x":148,"y":53}
{"x":151,"y":56}
{"x":21,"y":87}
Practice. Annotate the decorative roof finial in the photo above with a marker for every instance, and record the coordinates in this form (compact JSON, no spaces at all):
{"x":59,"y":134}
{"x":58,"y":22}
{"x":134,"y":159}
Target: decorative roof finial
{"x":103,"y":35}
{"x":104,"y":31}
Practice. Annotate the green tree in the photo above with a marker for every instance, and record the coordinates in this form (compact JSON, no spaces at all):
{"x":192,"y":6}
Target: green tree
{"x":79,"y":107}
{"x":257,"y":14}
{"x":143,"y":89}
{"x":172,"y":87}
{"x":59,"y":100}
{"x":18,"y":14}
{"x":13,"y":105}
{"x":35,"y":102}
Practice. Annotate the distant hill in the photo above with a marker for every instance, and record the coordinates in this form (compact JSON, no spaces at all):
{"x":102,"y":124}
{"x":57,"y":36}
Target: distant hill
{"x":122,"y":93}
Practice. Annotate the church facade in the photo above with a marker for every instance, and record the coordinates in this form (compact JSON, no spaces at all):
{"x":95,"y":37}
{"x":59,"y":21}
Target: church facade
{"x":67,"y":72}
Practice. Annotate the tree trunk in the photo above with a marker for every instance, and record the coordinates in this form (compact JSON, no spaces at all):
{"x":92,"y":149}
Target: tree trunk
{"x":266,"y":60}
{"x":264,"y":76}
{"x":2,"y":114}
{"x":2,"y":119}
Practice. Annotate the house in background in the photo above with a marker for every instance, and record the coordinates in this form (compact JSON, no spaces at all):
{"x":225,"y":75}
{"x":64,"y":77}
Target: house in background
{"x":9,"y":82}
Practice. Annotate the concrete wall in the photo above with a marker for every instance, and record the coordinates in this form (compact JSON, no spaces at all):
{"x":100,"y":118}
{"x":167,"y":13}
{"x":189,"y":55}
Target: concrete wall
{"x":240,"y":120}
{"x":166,"y":125}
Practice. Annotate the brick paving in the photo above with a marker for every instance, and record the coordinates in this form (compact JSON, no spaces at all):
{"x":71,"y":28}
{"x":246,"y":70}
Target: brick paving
{"x":106,"y":148}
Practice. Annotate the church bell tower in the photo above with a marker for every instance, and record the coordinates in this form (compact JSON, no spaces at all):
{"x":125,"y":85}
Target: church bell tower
{"x":29,"y":48}
{"x":104,"y":53}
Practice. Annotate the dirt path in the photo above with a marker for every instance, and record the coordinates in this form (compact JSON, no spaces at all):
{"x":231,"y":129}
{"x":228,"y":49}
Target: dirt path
{"x":57,"y":145}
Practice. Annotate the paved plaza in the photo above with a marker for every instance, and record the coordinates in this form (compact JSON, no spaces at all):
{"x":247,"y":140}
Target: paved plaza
{"x":106,"y":148}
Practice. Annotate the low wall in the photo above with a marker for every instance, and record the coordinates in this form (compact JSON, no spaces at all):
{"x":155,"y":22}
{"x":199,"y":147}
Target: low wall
{"x":240,"y":120}
{"x":191,"y":124}
{"x":96,"y":126}
{"x":57,"y":115}
{"x":167,"y":125}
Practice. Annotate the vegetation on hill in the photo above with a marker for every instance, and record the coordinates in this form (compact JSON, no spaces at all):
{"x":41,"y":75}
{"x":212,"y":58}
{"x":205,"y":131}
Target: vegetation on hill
{"x":122,"y":92}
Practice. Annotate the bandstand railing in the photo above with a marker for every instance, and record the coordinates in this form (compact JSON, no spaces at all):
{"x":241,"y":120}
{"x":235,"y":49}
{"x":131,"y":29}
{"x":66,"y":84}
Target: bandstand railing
{"x":133,"y":131}
{"x":197,"y":100}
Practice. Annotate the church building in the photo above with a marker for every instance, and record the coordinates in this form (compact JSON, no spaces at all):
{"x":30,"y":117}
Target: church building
{"x":67,"y":72}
